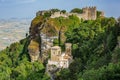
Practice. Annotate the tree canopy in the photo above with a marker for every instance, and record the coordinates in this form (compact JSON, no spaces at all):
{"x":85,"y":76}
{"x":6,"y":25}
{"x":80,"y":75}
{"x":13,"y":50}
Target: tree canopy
{"x":76,"y":10}
{"x":95,"y":50}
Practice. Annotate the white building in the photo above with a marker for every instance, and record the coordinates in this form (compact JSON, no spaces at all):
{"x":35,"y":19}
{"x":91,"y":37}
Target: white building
{"x":60,"y":60}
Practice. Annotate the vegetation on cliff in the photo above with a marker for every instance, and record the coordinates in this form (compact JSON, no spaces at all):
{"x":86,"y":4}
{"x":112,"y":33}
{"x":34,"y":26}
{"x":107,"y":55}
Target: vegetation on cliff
{"x":14,"y":68}
{"x":76,"y":10}
{"x":15,"y":60}
{"x":95,"y":50}
{"x":53,"y":25}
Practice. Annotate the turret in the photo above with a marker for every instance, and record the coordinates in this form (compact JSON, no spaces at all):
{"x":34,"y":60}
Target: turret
{"x":55,"y":53}
{"x":68,"y":48}
{"x":92,"y":13}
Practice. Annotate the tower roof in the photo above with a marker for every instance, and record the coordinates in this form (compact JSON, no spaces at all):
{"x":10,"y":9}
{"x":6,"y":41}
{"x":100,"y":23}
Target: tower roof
{"x":55,"y":47}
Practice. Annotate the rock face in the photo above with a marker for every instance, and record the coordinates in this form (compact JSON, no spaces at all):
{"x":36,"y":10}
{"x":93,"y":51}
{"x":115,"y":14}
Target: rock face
{"x":34,"y":47}
{"x":33,"y":50}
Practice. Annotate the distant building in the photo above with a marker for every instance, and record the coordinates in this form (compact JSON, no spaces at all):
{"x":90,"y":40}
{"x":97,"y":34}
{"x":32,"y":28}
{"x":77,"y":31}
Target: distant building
{"x":59,"y":59}
{"x":59,"y":14}
{"x":89,"y":13}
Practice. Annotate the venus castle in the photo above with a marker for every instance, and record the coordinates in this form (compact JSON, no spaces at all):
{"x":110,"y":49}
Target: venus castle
{"x":58,"y":58}
{"x":88,"y":13}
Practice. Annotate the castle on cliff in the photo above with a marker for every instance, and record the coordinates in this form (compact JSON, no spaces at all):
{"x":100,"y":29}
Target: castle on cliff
{"x":89,"y":13}
{"x":60,"y":59}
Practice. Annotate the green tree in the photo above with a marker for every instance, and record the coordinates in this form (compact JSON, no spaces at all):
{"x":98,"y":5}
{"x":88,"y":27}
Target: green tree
{"x":55,"y":10}
{"x":64,"y":74}
{"x":98,"y":13}
{"x":75,"y":67}
{"x":63,"y":11}
{"x":76,"y":10}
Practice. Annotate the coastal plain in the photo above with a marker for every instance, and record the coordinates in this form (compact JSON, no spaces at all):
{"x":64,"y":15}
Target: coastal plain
{"x":13,"y":30}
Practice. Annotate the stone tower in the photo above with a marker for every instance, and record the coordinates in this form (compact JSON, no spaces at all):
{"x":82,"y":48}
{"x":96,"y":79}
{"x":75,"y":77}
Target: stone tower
{"x":68,"y":49}
{"x":89,"y":13}
{"x":85,"y":13}
{"x":93,"y":13}
{"x":55,"y":53}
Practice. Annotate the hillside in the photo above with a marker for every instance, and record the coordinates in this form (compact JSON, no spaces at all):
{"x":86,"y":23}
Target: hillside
{"x":95,"y":50}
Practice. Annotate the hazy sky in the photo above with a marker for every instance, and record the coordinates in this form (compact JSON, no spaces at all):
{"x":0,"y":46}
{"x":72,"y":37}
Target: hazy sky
{"x":28,"y":8}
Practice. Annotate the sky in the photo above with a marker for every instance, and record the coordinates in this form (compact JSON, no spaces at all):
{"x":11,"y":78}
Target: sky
{"x":28,"y":8}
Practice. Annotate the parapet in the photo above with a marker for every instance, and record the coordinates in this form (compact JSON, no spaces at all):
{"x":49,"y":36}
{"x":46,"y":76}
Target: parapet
{"x":89,"y":13}
{"x":68,"y":44}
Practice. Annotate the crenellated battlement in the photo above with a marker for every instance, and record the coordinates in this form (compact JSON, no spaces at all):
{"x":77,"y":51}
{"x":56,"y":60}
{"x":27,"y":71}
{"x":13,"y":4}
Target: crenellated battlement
{"x":89,"y":13}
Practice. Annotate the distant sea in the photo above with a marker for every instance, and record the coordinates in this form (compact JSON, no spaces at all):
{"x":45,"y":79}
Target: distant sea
{"x":13,"y":30}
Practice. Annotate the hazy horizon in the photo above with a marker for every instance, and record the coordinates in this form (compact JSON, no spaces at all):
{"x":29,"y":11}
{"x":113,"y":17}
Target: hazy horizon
{"x":28,"y":8}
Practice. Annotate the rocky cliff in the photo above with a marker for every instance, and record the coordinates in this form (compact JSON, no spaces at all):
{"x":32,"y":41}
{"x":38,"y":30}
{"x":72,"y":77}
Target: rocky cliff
{"x":50,"y":27}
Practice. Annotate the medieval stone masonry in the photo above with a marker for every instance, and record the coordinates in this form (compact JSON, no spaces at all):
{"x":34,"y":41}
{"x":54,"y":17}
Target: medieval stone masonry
{"x":60,"y":59}
{"x":89,"y":13}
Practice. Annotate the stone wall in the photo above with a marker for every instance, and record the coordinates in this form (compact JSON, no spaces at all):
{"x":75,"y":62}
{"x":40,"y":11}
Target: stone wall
{"x":89,"y":13}
{"x":58,"y":14}
{"x":61,"y":60}
{"x":55,"y":53}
